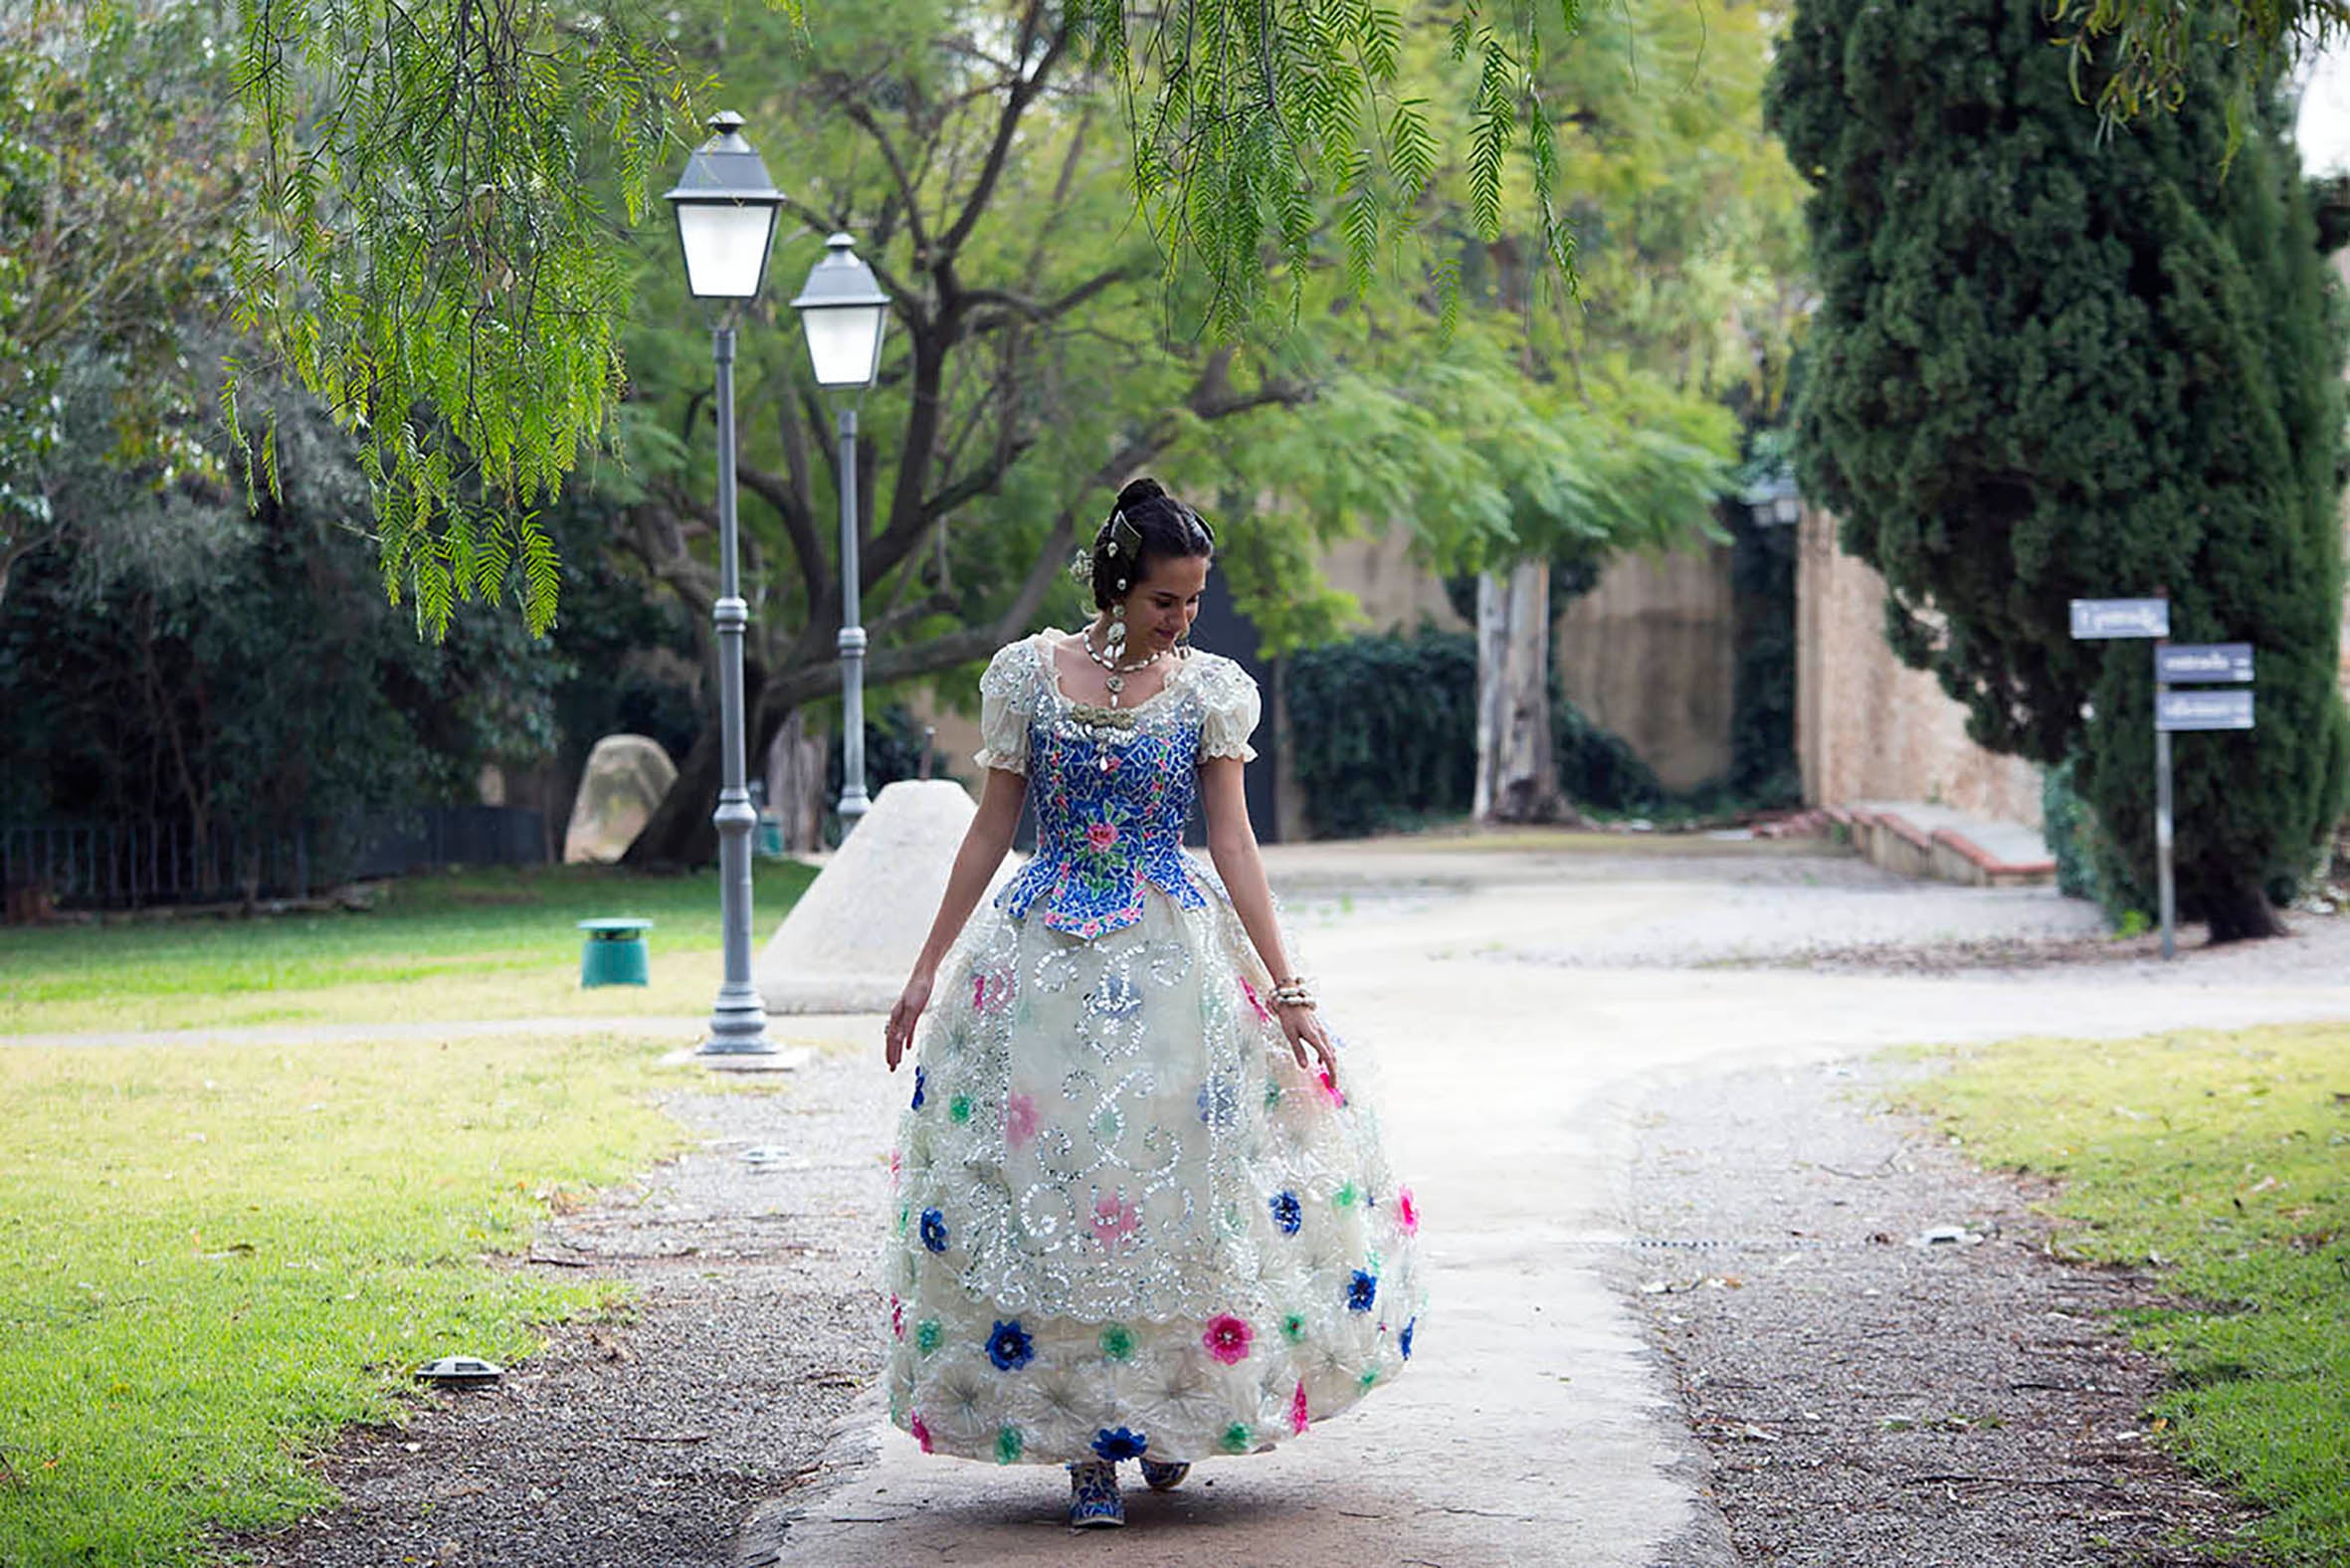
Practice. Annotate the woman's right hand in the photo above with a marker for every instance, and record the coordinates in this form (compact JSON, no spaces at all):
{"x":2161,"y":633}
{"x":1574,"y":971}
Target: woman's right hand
{"x":907,"y":1013}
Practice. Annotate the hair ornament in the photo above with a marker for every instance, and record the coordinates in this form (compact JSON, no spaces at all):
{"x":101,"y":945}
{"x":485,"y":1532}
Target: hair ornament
{"x":1123,"y":535}
{"x":1081,"y":567}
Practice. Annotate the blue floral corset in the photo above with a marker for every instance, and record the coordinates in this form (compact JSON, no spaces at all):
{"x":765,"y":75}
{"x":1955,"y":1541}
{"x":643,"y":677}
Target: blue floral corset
{"x":1114,"y":788}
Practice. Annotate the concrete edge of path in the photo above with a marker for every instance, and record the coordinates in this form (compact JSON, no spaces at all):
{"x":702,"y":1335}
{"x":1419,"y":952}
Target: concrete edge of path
{"x":850,"y":1448}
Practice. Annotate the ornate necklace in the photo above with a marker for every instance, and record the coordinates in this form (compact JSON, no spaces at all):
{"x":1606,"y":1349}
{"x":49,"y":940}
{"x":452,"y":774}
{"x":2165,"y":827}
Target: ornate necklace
{"x":1116,"y":681}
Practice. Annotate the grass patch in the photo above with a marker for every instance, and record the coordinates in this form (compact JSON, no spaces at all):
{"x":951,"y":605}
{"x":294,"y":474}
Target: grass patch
{"x":443,"y":946}
{"x":2225,"y":1159}
{"x":214,"y":1258}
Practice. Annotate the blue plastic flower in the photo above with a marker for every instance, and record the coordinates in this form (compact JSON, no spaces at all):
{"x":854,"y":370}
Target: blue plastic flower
{"x":934,"y":1230}
{"x":1287,"y":1212}
{"x":1361,"y":1290}
{"x":1120,"y":1443}
{"x":920,"y":1079}
{"x":1009,"y":1347}
{"x":1405,"y":1341}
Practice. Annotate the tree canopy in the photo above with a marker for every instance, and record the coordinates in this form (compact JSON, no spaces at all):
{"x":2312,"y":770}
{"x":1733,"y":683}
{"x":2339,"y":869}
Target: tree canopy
{"x":119,"y":185}
{"x":1029,"y":368}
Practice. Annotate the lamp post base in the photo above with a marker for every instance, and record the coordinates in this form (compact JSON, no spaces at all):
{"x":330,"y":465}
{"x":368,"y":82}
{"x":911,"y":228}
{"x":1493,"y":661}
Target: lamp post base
{"x":738,"y":1026}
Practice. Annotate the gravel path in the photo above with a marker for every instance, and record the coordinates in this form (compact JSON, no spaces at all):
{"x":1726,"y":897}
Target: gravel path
{"x":643,"y":1442}
{"x":1867,"y":1395}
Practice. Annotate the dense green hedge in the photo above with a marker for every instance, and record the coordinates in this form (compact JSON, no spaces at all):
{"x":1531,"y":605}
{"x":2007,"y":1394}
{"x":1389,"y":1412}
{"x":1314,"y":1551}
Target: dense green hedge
{"x":1382,"y":730}
{"x":1383,"y":736}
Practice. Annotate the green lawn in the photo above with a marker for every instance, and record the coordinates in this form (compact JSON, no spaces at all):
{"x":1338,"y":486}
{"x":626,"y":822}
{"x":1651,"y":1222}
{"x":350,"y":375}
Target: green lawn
{"x":2224,"y":1159}
{"x":213,"y":1258}
{"x":474,"y":945}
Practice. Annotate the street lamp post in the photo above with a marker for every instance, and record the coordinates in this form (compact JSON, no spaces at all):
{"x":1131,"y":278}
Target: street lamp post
{"x":844,"y":311}
{"x":726,"y":208}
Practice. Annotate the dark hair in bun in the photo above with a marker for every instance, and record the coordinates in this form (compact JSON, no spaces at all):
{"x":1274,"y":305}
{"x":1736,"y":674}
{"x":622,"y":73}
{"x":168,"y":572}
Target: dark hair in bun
{"x":1147,"y":524}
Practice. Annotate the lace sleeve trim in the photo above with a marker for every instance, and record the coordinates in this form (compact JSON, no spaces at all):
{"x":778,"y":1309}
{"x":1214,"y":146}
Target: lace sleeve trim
{"x":1007,"y":701}
{"x":1232,"y":707}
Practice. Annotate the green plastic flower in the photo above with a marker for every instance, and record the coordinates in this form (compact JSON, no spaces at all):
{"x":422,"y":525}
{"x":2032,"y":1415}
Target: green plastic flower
{"x":1236,"y":1438}
{"x":1008,"y":1444}
{"x":928,"y":1334}
{"x":1294,"y":1329}
{"x":959,"y":1108}
{"x":1117,"y":1341}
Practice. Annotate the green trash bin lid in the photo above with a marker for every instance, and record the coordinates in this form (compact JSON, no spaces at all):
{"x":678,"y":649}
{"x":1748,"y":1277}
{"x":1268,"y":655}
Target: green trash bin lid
{"x":614,"y":930}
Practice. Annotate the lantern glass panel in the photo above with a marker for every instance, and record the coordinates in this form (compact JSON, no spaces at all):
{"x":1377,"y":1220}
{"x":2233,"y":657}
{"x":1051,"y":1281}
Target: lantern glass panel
{"x":725,"y":245}
{"x":844,"y":343}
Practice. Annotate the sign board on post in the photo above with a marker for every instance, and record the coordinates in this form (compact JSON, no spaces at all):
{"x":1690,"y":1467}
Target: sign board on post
{"x":2191,"y":664}
{"x":2103,"y":618}
{"x":2202,"y":710}
{"x":2188,"y":665}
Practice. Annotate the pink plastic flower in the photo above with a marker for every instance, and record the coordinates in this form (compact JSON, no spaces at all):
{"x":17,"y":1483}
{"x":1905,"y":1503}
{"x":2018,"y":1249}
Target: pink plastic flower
{"x":1299,"y":1419}
{"x":896,"y":1316}
{"x":1330,"y":1088}
{"x":1408,"y":1211}
{"x":897,"y":1167}
{"x":989,"y":990}
{"x":1020,"y":1120}
{"x":922,"y":1430}
{"x":1264,"y":1014}
{"x":1116,"y":1221}
{"x":1102,"y":835}
{"x":1228,"y":1338}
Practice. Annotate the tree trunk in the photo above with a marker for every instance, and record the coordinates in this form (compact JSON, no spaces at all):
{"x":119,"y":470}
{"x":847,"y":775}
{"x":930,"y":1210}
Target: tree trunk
{"x":795,"y":783}
{"x":2238,"y":913}
{"x":680,"y":835}
{"x":1516,"y":769}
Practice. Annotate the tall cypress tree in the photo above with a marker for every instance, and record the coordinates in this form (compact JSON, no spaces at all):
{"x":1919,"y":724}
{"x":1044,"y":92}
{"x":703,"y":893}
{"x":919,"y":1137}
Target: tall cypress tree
{"x":2050,"y":366}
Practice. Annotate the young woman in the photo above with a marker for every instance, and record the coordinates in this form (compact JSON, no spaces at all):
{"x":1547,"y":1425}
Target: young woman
{"x":1142,"y":1210}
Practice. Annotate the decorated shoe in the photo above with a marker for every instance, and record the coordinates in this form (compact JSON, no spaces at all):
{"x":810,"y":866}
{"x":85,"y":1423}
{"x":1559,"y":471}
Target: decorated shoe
{"x":1093,"y":1501}
{"x":1164,"y":1477}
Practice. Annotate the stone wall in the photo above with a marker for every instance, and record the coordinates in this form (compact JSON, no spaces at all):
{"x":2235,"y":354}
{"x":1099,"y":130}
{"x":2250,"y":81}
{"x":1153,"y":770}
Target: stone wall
{"x":1867,"y":726}
{"x":1651,"y":653}
{"x":1396,"y":592}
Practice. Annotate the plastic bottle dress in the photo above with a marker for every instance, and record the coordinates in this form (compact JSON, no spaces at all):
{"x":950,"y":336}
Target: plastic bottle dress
{"x":1126,"y":1221}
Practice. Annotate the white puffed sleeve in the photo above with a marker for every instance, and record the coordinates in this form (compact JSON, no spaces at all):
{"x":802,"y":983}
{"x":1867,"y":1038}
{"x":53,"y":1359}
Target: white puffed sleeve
{"x":1007,"y":699}
{"x":1229,"y":694}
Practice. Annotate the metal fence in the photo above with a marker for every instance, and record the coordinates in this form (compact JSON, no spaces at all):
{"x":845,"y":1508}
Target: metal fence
{"x":128,"y":865}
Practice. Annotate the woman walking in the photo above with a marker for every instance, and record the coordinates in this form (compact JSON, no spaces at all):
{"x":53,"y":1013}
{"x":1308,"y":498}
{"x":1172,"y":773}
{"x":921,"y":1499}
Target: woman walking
{"x":1142,"y":1209}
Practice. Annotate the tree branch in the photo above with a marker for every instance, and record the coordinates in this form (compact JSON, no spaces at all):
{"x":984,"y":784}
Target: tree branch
{"x":799,"y":522}
{"x":1023,"y":92}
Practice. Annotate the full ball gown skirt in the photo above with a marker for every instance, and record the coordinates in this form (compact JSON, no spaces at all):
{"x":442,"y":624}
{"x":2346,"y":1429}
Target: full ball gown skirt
{"x":1126,"y":1222}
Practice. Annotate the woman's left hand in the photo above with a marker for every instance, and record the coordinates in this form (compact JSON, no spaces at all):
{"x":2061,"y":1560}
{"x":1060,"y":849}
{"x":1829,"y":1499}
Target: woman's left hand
{"x":1304,"y":1028}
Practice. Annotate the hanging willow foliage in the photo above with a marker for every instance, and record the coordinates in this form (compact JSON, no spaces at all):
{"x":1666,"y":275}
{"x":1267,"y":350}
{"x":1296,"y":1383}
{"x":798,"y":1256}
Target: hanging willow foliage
{"x":432,"y":256}
{"x":2142,"y":51}
{"x":1253,"y":118}
{"x":433,"y":259}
